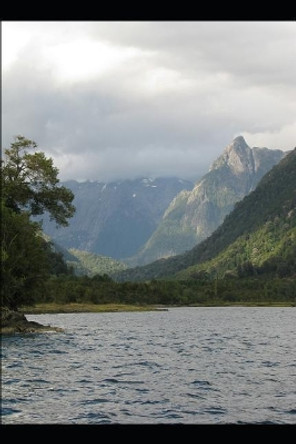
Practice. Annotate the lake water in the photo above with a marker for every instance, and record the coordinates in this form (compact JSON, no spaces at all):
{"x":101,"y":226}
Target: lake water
{"x":232,"y":365}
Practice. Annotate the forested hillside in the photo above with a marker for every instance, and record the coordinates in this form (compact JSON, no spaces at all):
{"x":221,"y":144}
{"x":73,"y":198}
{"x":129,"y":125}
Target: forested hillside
{"x":90,"y":264}
{"x":250,"y":258}
{"x":258,"y":232}
{"x":193,"y":215}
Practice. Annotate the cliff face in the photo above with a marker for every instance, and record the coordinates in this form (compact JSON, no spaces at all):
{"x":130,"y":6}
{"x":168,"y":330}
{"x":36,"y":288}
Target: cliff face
{"x":193,"y":215}
{"x":257,"y":238}
{"x":115,"y":219}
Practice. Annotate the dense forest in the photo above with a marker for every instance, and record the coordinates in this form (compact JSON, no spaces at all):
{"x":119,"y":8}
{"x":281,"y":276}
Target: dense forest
{"x":250,"y":258}
{"x":103,"y":290}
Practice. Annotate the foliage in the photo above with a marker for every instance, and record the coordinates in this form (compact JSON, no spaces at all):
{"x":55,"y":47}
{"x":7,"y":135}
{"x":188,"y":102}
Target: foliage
{"x":92,"y":264}
{"x":24,"y":259}
{"x":269,"y":250}
{"x":250,"y":259}
{"x":103,"y":290}
{"x":30,"y":183}
{"x":29,"y":187}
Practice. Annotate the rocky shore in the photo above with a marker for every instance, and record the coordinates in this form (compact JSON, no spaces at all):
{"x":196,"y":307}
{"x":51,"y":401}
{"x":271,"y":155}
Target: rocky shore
{"x":16,"y":322}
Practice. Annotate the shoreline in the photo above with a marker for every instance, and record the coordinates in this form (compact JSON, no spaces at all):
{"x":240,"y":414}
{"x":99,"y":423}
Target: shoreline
{"x":15,"y":322}
{"x":47,"y":308}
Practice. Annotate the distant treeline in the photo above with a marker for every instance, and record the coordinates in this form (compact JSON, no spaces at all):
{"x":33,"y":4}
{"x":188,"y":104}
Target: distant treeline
{"x":103,"y":290}
{"x":250,"y":258}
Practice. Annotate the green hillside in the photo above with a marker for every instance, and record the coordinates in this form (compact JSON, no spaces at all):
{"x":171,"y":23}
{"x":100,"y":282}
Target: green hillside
{"x":79,"y":262}
{"x":194,"y":215}
{"x":91,"y":264}
{"x":258,"y":236}
{"x":270,"y":249}
{"x":250,"y":259}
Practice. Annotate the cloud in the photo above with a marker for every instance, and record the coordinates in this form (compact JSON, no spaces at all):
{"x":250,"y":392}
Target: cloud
{"x":274,"y":139}
{"x":115,"y":100}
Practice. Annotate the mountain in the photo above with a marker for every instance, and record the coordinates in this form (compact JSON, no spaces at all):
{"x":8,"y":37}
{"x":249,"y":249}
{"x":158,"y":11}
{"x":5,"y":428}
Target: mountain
{"x":115,"y":219}
{"x":193,"y":215}
{"x":63,"y":261}
{"x":258,"y":236}
{"x":90,"y":264}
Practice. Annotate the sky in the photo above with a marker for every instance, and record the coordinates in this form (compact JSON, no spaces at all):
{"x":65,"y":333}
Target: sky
{"x":115,"y":100}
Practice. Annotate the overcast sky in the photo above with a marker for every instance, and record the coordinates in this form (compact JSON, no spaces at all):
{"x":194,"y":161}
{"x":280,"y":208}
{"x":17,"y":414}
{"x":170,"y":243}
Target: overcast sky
{"x":124,"y":99}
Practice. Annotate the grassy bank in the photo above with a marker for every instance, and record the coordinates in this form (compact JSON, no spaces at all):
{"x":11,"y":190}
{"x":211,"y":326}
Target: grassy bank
{"x":101,"y":308}
{"x":52,"y":307}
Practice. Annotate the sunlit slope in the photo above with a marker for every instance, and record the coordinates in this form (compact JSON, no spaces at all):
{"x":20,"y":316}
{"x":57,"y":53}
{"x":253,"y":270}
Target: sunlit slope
{"x":260,"y":228}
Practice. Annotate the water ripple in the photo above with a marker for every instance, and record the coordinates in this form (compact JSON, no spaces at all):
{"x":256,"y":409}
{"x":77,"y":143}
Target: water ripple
{"x":187,"y":365}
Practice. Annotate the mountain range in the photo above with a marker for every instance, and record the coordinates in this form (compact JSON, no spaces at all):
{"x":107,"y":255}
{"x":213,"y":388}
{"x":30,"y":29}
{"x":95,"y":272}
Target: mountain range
{"x":257,"y":237}
{"x":194,"y":214}
{"x":115,"y":219}
{"x":140,"y":221}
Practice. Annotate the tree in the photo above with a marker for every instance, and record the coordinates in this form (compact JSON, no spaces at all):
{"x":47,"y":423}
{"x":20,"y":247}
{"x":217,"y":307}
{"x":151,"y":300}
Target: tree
{"x":29,"y":187}
{"x":24,"y":263}
{"x":30,"y":183}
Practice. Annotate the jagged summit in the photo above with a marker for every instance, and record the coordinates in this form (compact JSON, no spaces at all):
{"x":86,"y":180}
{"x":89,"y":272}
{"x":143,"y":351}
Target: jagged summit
{"x":238,"y":145}
{"x":144,"y":219}
{"x":238,"y":156}
{"x":239,"y":141}
{"x":194,"y":214}
{"x":259,"y":234}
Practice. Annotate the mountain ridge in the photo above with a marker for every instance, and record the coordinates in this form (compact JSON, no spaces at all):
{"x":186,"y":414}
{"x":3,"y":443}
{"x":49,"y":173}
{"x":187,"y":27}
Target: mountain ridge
{"x":274,"y":199}
{"x":194,"y":214}
{"x":115,"y":219}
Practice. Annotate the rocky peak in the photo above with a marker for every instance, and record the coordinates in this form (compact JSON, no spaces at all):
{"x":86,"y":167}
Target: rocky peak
{"x":238,"y":143}
{"x":237,"y":156}
{"x":194,"y":214}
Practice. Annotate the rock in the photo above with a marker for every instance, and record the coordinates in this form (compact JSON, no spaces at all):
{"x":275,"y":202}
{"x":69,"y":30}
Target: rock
{"x":16,"y":322}
{"x":194,"y":215}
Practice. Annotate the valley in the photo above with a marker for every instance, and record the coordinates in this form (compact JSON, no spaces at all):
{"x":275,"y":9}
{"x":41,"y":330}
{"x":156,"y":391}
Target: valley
{"x":137,"y":222}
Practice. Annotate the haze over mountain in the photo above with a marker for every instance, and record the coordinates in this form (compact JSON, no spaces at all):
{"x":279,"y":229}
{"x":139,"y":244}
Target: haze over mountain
{"x":139,"y":221}
{"x":194,"y":214}
{"x":115,"y":219}
{"x":258,"y":236}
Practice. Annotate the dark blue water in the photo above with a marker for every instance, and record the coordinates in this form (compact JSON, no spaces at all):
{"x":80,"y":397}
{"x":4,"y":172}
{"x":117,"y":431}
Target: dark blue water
{"x":184,"y":365}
